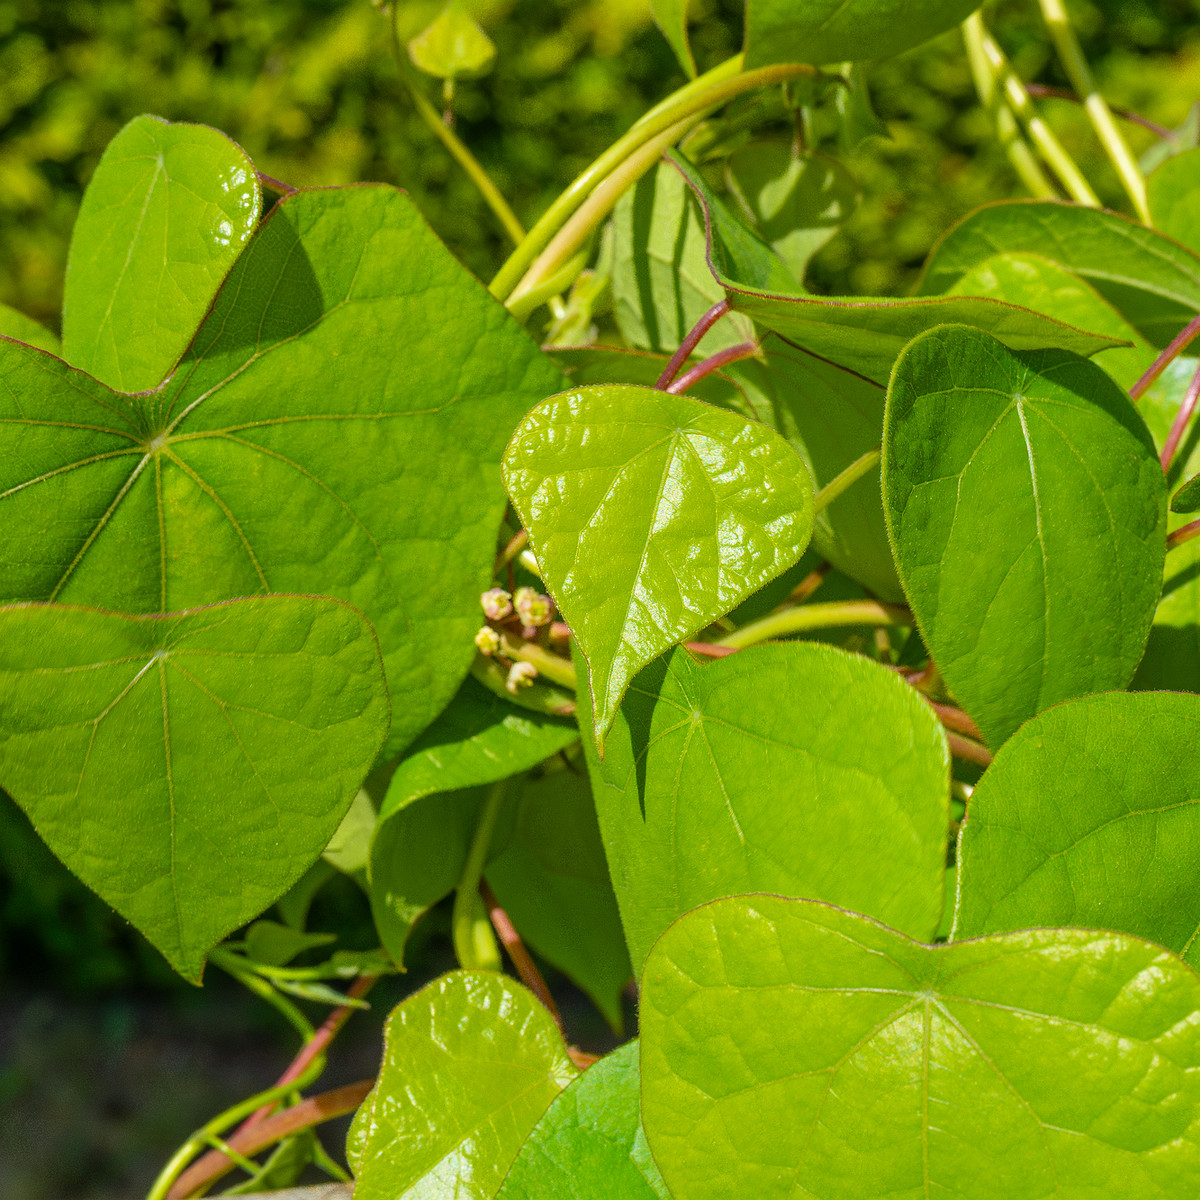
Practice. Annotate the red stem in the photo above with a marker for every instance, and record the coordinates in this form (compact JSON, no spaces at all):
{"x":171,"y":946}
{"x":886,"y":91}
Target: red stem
{"x":710,"y":649}
{"x":1164,"y":360}
{"x":690,"y":342}
{"x":1179,"y":428}
{"x":506,"y":931}
{"x":960,"y":747}
{"x":1184,"y":533}
{"x":1041,"y":89}
{"x":721,"y":359}
{"x":274,"y":185}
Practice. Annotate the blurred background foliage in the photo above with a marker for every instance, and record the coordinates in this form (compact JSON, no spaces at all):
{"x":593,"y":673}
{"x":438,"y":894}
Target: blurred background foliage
{"x":308,"y":88}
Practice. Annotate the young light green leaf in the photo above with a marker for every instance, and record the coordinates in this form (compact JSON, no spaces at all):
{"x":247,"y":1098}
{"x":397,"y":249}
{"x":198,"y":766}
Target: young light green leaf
{"x":672,"y":18}
{"x":165,"y":216}
{"x":1151,"y":280}
{"x":1037,"y":283}
{"x":828,"y":31}
{"x":1089,"y":817}
{"x":861,"y":335}
{"x":1027,"y":510}
{"x":661,"y":283}
{"x":762,"y":772}
{"x":832,"y":417}
{"x":791,"y":1049}
{"x":470,"y":1064}
{"x":190,"y":767}
{"x":797,"y":202}
{"x":1187,"y":499}
{"x":276,"y":945}
{"x":651,"y":515}
{"x":453,"y":46}
{"x":590,"y":1144}
{"x":1173,"y":192}
{"x":349,"y":847}
{"x":20,"y":328}
{"x":316,"y":438}
{"x":418,"y":850}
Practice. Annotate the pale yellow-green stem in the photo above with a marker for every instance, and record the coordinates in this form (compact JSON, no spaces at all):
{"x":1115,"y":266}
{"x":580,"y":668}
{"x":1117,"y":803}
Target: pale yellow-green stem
{"x":1078,"y":71}
{"x":817,"y":616}
{"x":560,"y":670}
{"x":470,"y":926}
{"x":846,"y":480}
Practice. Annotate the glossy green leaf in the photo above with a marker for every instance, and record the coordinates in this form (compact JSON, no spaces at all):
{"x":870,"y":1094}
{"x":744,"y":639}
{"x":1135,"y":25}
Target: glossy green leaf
{"x":661,"y":284}
{"x":166,"y":214}
{"x":1037,"y":283}
{"x":864,"y":335}
{"x":470,"y":1064}
{"x":651,"y":515}
{"x":1187,"y":499}
{"x":590,"y":1144}
{"x":191,"y":767}
{"x":453,"y":46}
{"x":672,"y":18}
{"x":1151,"y":280}
{"x":794,"y":768}
{"x":418,"y":850}
{"x":1089,"y":816}
{"x":316,"y":438}
{"x":20,"y":328}
{"x":829,"y":31}
{"x":832,"y":417}
{"x":795,"y":202}
{"x":548,"y":870}
{"x":792,"y":1050}
{"x":1174,"y":195}
{"x":1027,"y":509}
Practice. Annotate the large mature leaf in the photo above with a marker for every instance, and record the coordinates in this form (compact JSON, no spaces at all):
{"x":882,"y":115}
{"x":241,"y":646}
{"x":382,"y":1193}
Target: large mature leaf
{"x":1037,"y":283}
{"x":317,"y":437}
{"x":189,"y":768}
{"x":590,"y":1144}
{"x":1027,"y":509}
{"x":792,"y":1050}
{"x":796,"y":202}
{"x":20,"y":328}
{"x":651,"y":515}
{"x":832,"y":417}
{"x":672,"y":18}
{"x":1174,"y":195}
{"x":470,"y":1063}
{"x":661,"y":283}
{"x":799,"y":769}
{"x":164,"y":218}
{"x":829,"y":31}
{"x":420,"y":841}
{"x":1151,"y":280}
{"x":861,"y":334}
{"x":1090,"y":816}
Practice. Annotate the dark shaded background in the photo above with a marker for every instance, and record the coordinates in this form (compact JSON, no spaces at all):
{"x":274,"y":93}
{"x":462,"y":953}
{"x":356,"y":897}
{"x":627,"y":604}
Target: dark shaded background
{"x":107,"y":1060}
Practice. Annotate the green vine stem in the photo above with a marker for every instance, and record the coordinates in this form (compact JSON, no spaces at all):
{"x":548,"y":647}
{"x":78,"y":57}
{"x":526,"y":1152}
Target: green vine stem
{"x":470,"y":927}
{"x":846,"y":480}
{"x":453,"y":143}
{"x":817,"y":616}
{"x":1070,"y":52}
{"x":236,"y":966}
{"x":552,"y":666}
{"x":684,"y":108}
{"x":981,"y":42}
{"x":987,"y":85}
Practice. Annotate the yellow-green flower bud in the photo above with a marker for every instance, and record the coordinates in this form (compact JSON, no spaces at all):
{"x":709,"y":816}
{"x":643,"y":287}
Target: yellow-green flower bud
{"x":521,"y":675}
{"x":533,"y":609}
{"x":488,"y":641}
{"x":497,"y":604}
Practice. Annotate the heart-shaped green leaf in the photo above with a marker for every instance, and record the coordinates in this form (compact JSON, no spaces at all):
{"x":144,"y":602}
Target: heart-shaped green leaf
{"x":20,"y":328}
{"x":1151,"y":280}
{"x":651,"y":515}
{"x":792,"y":1050}
{"x":1027,"y":509}
{"x":316,"y":438}
{"x":1173,"y":192}
{"x":1090,"y":816}
{"x":797,"y":202}
{"x":470,"y":1064}
{"x":661,"y":283}
{"x":830,"y":31}
{"x":164,"y":218}
{"x":191,"y":767}
{"x":418,"y":849}
{"x":590,"y":1144}
{"x":797,"y":768}
{"x":864,"y":335}
{"x":453,"y":45}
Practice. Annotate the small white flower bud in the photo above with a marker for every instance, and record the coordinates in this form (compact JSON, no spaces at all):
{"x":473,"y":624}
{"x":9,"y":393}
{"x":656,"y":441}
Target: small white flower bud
{"x":497,"y":604}
{"x":488,"y":641}
{"x":533,"y":608}
{"x":521,"y":675}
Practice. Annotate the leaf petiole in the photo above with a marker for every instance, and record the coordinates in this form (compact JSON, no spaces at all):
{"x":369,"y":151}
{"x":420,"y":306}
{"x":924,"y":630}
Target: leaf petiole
{"x":470,"y":926}
{"x":846,"y":480}
{"x":1178,"y":345}
{"x":817,"y":616}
